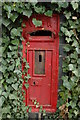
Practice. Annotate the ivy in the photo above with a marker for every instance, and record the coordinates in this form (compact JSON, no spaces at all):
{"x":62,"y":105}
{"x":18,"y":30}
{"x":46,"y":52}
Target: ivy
{"x":48,"y":13}
{"x":36,"y":22}
{"x":27,"y":86}
{"x":74,"y":5}
{"x":6,"y":22}
{"x":11,"y":99}
{"x":27,"y":13}
{"x":40,"y":9}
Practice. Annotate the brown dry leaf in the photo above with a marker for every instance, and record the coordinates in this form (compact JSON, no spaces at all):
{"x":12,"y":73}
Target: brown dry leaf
{"x":62,"y":107}
{"x":74,"y":31}
{"x":64,"y":111}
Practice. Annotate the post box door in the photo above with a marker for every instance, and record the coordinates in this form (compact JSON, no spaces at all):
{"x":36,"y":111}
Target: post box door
{"x":40,"y":62}
{"x":42,"y":56}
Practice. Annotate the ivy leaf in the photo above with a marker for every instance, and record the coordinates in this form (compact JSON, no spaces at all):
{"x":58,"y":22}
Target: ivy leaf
{"x":17,"y":71}
{"x":63,"y":4}
{"x":67,"y":48}
{"x":9,"y":54}
{"x":7,"y":8}
{"x":11,"y":67}
{"x":27,"y":86}
{"x":6,"y":109}
{"x":5,"y":94}
{"x":67,"y":14}
{"x":76,"y":72}
{"x":24,"y":25}
{"x":24,"y":108}
{"x":17,"y":62}
{"x":62,"y":94}
{"x":37,"y":104}
{"x":14,"y":16}
{"x":30,"y":109}
{"x":10,"y":80}
{"x":78,"y":61}
{"x":48,"y":13}
{"x":6,"y":40}
{"x":12,"y":96}
{"x":71,"y":33}
{"x":15,"y":109}
{"x":71,"y":67}
{"x":40,"y":110}
{"x":74,"y":56}
{"x":27,"y":5}
{"x":68,"y":39}
{"x":5,"y":86}
{"x":73,"y":104}
{"x":73,"y":78}
{"x":63,"y":29}
{"x":76,"y":112}
{"x":67,"y":33}
{"x":2,"y":80}
{"x":2,"y":99}
{"x":27,"y":77}
{"x":67,"y":84}
{"x":5,"y":21}
{"x":3,"y":68}
{"x":64,"y":78}
{"x":34,"y":3}
{"x":15,"y":42}
{"x":75,"y":43}
{"x":19,"y":29}
{"x":24,"y":60}
{"x":27,"y":12}
{"x":77,"y":50}
{"x":74,"y":5}
{"x":15,"y":86}
{"x":44,"y":112}
{"x":36,"y":22}
{"x":13,"y":32}
{"x":40,"y":9}
{"x":27,"y":66}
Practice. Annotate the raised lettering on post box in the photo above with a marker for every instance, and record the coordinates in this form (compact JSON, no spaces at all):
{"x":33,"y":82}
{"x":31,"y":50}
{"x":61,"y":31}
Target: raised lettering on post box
{"x":42,"y":56}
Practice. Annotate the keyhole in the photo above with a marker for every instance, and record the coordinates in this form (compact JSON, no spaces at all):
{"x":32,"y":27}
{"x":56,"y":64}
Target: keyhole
{"x":40,"y":58}
{"x":34,"y":83}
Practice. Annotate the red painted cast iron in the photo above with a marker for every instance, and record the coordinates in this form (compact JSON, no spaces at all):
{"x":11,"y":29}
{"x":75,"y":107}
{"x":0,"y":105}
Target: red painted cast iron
{"x":43,"y":57}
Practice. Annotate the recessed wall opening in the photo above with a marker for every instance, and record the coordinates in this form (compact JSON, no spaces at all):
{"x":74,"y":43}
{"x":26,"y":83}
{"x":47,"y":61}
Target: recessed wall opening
{"x":41,"y":33}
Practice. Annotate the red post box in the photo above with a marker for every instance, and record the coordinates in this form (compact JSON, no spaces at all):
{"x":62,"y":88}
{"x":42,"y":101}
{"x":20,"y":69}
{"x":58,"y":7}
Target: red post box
{"x":42,"y":56}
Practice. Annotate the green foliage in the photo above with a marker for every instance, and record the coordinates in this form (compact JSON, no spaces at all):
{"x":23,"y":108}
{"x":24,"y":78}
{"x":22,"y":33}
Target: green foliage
{"x":40,"y":9}
{"x":74,"y":5}
{"x":63,"y":4}
{"x":6,"y":22}
{"x":67,"y":14}
{"x":48,"y":13}
{"x":36,"y":22}
{"x":26,"y":85}
{"x":27,"y":13}
{"x":11,"y":99}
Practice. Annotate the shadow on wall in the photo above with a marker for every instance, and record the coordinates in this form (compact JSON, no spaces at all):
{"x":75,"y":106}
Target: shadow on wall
{"x":61,"y":51}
